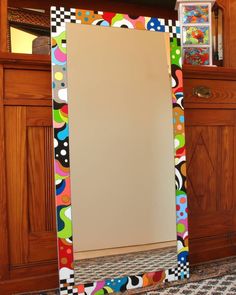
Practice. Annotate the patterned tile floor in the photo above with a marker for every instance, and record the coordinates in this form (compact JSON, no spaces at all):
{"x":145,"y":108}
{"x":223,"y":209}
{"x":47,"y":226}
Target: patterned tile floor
{"x":213,"y":278}
{"x":97,"y":269}
{"x":225,"y":285}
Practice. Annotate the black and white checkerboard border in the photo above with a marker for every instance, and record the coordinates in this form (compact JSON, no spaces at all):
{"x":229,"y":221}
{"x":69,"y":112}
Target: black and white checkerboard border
{"x":61,"y":16}
{"x":178,"y":273}
{"x":67,"y":286}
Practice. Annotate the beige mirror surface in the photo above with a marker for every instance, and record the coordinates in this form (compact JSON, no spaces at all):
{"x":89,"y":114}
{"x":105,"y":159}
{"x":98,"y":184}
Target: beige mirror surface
{"x":121,"y":138}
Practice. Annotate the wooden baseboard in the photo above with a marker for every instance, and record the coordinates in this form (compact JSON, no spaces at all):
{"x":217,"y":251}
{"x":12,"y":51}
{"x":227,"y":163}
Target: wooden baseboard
{"x":39,"y":283}
{"x":34,"y":269}
{"x":211,"y":248}
{"x":122,"y":250}
{"x":30,"y":277}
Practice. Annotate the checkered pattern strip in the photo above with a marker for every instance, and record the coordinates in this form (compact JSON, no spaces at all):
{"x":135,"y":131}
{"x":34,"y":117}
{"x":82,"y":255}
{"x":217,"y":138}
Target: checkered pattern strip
{"x":178,"y":273}
{"x":67,"y":286}
{"x":61,"y":16}
{"x":173,"y":29}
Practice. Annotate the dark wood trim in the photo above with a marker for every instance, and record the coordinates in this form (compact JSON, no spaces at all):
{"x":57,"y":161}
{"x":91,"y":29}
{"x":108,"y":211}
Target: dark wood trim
{"x":33,"y":60}
{"x":4,"y":255}
{"x":46,"y":281}
{"x":28,"y":102}
{"x":213,"y":247}
{"x":102,"y":5}
{"x":3,"y":26}
{"x":211,"y":73}
{"x":199,"y":106}
{"x":34,"y":269}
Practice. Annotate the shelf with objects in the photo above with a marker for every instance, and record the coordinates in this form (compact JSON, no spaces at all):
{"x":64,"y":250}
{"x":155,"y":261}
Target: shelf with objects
{"x":201,"y":25}
{"x":25,"y":25}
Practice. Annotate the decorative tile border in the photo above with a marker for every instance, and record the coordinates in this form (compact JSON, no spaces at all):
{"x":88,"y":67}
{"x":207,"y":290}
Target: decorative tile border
{"x":59,"y":18}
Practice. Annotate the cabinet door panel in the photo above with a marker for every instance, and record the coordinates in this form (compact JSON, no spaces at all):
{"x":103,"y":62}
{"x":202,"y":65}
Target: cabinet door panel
{"x":15,"y":122}
{"x":29,"y":165}
{"x":211,"y":165}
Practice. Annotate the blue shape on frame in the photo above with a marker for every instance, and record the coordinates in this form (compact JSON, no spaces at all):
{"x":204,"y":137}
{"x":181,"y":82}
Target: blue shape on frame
{"x":116,"y":284}
{"x":62,"y":135}
{"x":60,"y":187}
{"x":183,"y":257}
{"x":105,"y":24}
{"x":155,"y":24}
{"x":60,"y":222}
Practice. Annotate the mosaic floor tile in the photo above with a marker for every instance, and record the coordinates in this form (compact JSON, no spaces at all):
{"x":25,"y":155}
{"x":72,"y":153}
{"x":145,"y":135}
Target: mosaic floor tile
{"x":214,"y":278}
{"x":97,"y":269}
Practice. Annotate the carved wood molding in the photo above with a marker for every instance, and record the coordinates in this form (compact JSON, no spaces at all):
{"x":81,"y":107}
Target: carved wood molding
{"x":210,"y":73}
{"x":25,"y":59}
{"x":3,"y":25}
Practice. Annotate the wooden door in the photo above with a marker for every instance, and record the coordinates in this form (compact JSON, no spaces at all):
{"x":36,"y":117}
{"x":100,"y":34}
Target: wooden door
{"x":30,"y":188}
{"x":211,"y":165}
{"x":28,"y":251}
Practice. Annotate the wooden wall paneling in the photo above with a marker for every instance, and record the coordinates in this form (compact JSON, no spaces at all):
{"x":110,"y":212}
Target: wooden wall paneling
{"x":27,"y":84}
{"x":42,"y":230}
{"x":44,"y":281}
{"x":201,"y":149}
{"x":50,"y":183}
{"x":224,"y":6}
{"x":36,"y":181}
{"x":229,"y":9}
{"x":16,"y":153}
{"x":211,"y":167}
{"x":29,"y":155}
{"x":4,"y":255}
{"x":231,"y":34}
{"x":3,"y":26}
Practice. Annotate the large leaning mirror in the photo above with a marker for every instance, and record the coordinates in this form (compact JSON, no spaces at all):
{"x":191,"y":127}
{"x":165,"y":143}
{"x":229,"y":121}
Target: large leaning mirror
{"x":119,"y":144}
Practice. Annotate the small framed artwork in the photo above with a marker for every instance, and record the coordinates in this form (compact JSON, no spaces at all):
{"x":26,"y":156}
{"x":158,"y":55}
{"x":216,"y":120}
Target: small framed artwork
{"x":196,"y":56}
{"x":196,"y":35}
{"x":120,"y":164}
{"x":198,"y":14}
{"x":196,"y":31}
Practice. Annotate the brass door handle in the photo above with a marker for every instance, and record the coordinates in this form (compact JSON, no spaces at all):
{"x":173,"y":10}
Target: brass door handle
{"x":202,"y":92}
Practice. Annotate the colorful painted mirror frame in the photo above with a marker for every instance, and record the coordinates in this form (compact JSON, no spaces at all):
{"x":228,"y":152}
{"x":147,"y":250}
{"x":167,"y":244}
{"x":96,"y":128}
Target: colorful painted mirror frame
{"x":59,"y":18}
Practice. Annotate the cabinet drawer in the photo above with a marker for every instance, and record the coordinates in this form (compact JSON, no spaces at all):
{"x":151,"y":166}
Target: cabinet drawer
{"x":27,"y":84}
{"x":221,"y":92}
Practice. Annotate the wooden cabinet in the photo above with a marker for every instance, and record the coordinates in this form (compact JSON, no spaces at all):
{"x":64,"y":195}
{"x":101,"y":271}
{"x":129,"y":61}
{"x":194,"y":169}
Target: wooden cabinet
{"x":27,"y":182}
{"x":211,"y":163}
{"x":27,"y":212}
